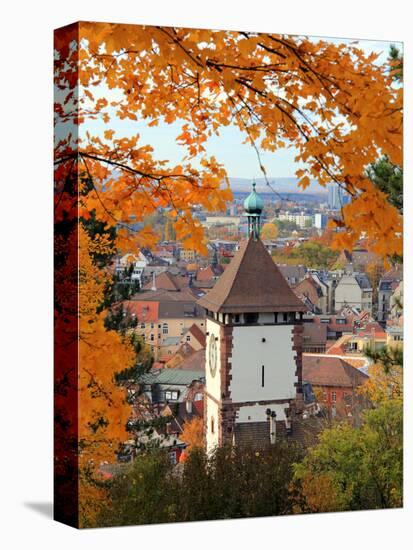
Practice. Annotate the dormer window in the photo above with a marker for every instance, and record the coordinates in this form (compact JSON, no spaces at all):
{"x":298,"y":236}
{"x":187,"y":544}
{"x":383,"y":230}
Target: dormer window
{"x":171,"y":395}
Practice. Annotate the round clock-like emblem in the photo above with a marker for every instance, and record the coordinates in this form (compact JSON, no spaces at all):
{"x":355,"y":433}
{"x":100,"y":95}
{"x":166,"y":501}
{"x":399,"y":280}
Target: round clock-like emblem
{"x":212,"y":355}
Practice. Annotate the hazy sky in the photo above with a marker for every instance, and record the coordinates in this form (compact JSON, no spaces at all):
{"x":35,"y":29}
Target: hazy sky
{"x":239,"y":159}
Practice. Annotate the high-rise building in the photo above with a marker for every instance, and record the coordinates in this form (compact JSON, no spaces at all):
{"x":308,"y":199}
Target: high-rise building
{"x":337,"y":197}
{"x":320,"y":220}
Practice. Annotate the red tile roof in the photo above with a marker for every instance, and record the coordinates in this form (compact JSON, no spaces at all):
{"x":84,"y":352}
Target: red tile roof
{"x":372,"y":329}
{"x":165,"y":281}
{"x":338,"y":347}
{"x":145,"y":311}
{"x":197,"y":334}
{"x":324,"y":370}
{"x":195,"y":361}
{"x":315,"y":333}
{"x":209,"y":273}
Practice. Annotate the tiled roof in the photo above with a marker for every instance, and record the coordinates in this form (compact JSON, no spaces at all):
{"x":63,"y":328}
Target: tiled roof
{"x":363,"y":281}
{"x":292,"y":271}
{"x":164,"y":281}
{"x":314,"y":333}
{"x":162,"y":295}
{"x":144,"y":311}
{"x":333,"y":325}
{"x":180,"y":310}
{"x":372,"y":329}
{"x":194,"y":362}
{"x":184,"y":350}
{"x":393,"y":275}
{"x":252,"y":434}
{"x":251,"y":283}
{"x":338,"y":347}
{"x":197,"y":333}
{"x":209,"y":272}
{"x":176,"y":377}
{"x":324,"y":370}
{"x":309,"y":288}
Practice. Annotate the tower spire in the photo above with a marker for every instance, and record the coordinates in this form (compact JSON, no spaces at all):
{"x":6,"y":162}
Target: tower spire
{"x":253,"y":206}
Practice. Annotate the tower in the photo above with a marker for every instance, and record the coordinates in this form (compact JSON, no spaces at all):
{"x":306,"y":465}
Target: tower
{"x":253,"y":346}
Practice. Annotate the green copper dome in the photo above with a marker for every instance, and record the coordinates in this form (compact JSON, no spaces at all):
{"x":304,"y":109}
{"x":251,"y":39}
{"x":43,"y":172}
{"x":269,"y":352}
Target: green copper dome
{"x":253,"y":204}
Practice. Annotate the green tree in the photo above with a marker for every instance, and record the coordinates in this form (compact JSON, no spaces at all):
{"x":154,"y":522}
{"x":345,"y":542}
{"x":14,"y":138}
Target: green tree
{"x":285,"y":226}
{"x":269,"y":231}
{"x":228,"y":483}
{"x":145,"y":493}
{"x":311,"y":254}
{"x":388,"y":177}
{"x":396,"y":62}
{"x":387,"y":357}
{"x":355,"y":468}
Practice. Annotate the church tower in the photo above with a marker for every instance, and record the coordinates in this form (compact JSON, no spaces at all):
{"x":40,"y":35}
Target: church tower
{"x":253,"y":347}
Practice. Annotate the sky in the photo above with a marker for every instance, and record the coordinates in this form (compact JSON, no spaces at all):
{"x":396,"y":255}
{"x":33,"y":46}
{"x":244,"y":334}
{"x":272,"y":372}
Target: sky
{"x":240,"y":160}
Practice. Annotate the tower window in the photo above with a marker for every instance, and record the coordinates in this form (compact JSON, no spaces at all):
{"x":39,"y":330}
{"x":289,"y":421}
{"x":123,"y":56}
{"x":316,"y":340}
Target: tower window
{"x":262,"y":376}
{"x":212,"y":425}
{"x":251,"y":318}
{"x":236,"y":318}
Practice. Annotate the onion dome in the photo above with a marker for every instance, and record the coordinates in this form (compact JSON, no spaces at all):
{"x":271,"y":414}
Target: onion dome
{"x":253,"y":204}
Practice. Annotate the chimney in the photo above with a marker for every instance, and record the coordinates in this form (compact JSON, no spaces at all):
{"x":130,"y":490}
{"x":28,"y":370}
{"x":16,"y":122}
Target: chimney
{"x":153,"y":281}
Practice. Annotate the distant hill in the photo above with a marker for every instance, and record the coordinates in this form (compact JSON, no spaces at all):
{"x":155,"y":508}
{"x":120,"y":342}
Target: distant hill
{"x":281,"y":185}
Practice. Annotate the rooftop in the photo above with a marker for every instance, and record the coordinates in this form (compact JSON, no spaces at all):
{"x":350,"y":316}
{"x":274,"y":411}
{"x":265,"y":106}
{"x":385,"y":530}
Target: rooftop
{"x":325,"y":370}
{"x":251,"y":283}
{"x":175,"y":377}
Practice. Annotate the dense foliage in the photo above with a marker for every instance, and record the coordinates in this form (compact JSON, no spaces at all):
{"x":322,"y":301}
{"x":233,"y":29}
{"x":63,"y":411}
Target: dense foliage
{"x":312,"y":254}
{"x":338,"y":107}
{"x":231,"y":483}
{"x":355,"y":468}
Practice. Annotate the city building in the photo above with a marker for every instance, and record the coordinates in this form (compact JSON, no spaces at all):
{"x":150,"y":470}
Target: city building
{"x":396,"y":303}
{"x":387,"y":287}
{"x":371,"y":336}
{"x":320,"y":220}
{"x":302,"y":220}
{"x":313,"y":292}
{"x":314,"y":337}
{"x":222,"y":220}
{"x":139,"y":263}
{"x":394,"y":336}
{"x":163,"y":317}
{"x":337,"y":197}
{"x":334,"y":382}
{"x":356,"y":260}
{"x":187,"y":255}
{"x":354,"y":290}
{"x":292,"y":273}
